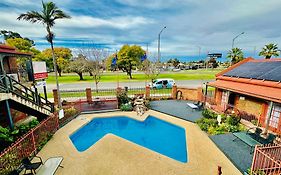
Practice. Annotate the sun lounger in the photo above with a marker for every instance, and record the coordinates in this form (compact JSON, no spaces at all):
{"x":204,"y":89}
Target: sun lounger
{"x":192,"y":106}
{"x":246,"y":138}
{"x":50,"y":166}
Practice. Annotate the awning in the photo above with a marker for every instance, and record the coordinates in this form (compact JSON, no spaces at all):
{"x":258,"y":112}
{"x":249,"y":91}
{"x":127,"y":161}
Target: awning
{"x":263,"y":92}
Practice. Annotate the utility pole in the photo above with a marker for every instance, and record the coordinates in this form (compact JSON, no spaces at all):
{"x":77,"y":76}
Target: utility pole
{"x":235,"y":38}
{"x":159,"y":43}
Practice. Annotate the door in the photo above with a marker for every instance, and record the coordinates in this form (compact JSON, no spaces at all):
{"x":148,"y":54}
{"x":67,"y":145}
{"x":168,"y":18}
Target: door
{"x":224,"y":99}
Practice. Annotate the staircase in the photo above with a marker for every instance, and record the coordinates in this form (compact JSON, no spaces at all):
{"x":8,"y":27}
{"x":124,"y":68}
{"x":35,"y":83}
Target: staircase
{"x":23,"y":98}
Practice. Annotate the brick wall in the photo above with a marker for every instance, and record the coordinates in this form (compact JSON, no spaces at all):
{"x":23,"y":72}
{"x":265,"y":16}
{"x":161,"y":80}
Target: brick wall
{"x":193,"y":94}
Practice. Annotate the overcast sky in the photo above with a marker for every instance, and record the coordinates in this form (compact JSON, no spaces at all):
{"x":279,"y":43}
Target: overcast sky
{"x":210,"y":25}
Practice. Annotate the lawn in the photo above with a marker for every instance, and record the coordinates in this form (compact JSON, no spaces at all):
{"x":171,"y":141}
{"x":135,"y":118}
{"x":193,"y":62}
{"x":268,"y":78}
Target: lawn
{"x":201,"y":74}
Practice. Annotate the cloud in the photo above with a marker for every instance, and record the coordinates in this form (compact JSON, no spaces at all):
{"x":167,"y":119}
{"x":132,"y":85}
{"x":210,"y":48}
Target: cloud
{"x":190,"y":23}
{"x":121,"y":22}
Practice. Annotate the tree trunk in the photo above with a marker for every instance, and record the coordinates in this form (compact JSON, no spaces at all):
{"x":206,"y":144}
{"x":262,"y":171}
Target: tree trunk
{"x":91,"y":74}
{"x":80,"y":75}
{"x":59,"y":71}
{"x":55,"y":67}
{"x":267,"y":57}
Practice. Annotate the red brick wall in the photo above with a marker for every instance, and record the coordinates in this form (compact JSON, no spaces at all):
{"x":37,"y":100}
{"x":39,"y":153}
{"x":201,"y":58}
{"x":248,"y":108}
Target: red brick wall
{"x":193,"y":94}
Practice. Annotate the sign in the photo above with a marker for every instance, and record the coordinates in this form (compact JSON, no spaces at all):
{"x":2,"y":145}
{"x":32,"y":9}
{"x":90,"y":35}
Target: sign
{"x":39,"y":70}
{"x":41,"y":83}
{"x":61,"y":114}
{"x":216,"y":55}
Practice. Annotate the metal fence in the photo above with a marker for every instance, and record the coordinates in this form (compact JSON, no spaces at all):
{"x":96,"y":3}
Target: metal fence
{"x":133,"y":92}
{"x":160,"y":93}
{"x":29,"y":144}
{"x":266,"y":160}
{"x":73,"y":95}
{"x":104,"y":93}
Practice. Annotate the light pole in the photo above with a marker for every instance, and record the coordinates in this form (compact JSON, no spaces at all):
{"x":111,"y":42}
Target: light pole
{"x":159,"y":43}
{"x":235,"y":38}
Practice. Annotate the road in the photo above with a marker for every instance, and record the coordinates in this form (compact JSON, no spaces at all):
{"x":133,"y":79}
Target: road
{"x":110,"y":85}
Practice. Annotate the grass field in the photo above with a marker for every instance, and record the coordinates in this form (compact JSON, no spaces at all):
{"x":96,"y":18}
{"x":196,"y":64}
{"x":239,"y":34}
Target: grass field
{"x":201,"y":74}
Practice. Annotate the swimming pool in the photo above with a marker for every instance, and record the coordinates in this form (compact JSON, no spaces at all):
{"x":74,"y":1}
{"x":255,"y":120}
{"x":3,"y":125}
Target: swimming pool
{"x":153,"y":133}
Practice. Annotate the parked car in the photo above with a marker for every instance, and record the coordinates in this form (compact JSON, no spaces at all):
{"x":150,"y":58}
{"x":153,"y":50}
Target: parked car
{"x":162,"y":83}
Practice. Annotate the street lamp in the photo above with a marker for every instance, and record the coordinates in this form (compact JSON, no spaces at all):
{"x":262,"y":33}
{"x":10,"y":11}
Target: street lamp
{"x":235,"y":38}
{"x":159,"y":43}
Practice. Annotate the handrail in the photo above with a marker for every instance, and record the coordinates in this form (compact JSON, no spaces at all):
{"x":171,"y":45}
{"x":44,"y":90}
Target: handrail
{"x":8,"y":84}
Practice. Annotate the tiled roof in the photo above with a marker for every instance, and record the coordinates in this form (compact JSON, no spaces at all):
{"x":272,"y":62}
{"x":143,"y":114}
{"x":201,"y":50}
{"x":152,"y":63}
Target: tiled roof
{"x":4,"y":49}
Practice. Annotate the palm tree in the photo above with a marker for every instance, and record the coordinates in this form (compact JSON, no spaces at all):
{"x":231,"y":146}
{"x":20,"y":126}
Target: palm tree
{"x":269,"y":50}
{"x":49,"y":14}
{"x":235,"y":54}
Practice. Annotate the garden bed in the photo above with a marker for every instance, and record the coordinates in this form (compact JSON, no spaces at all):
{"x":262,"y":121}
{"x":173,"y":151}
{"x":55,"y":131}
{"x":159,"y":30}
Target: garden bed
{"x":229,"y":123}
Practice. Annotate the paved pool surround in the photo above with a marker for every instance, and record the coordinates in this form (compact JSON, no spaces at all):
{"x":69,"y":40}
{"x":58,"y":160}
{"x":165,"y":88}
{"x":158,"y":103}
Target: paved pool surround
{"x":115,"y":155}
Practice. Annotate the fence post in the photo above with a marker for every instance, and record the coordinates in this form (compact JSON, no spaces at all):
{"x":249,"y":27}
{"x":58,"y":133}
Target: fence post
{"x":147,"y":91}
{"x":55,"y":95}
{"x":89,"y":94}
{"x":174,"y":92}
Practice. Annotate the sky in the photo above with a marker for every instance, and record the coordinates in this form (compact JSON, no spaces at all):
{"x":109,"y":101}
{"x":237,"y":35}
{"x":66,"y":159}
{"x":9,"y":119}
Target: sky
{"x":194,"y":27}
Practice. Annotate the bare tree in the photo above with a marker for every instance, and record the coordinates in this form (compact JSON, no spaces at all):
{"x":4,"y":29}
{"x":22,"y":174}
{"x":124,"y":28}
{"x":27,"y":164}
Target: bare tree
{"x":151,"y":69}
{"x":95,"y":57}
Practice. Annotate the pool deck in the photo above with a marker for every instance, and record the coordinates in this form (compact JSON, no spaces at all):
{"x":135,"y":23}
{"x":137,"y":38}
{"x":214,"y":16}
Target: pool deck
{"x":115,"y":155}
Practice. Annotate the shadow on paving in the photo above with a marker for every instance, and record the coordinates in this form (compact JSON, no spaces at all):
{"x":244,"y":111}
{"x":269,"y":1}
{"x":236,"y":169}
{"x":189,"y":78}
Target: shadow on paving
{"x":177,"y":108}
{"x":237,"y":151}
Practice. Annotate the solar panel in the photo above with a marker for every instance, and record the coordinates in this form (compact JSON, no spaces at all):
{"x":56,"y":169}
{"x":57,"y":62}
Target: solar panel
{"x":257,"y":70}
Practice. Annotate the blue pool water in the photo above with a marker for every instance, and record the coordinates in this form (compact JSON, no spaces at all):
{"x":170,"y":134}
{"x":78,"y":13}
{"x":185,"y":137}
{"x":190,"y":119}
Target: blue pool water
{"x":154,"y":134}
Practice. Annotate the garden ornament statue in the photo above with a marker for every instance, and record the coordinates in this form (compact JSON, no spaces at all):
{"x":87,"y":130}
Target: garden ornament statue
{"x":219,"y":119}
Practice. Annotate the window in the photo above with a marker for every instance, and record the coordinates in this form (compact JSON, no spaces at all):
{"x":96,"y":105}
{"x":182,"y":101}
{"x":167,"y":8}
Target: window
{"x":159,"y":82}
{"x":275,"y":115}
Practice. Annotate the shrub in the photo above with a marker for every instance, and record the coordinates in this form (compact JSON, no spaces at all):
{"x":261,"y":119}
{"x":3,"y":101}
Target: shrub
{"x":126,"y":107}
{"x":209,"y":114}
{"x":233,"y":120}
{"x":123,"y":98}
{"x":69,"y":112}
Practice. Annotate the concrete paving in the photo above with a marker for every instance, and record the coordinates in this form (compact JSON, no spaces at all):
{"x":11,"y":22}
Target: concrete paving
{"x":176,"y":108}
{"x":114,"y":155}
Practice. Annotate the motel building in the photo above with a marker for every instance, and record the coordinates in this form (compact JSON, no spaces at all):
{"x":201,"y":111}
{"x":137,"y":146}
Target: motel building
{"x":251,"y":87}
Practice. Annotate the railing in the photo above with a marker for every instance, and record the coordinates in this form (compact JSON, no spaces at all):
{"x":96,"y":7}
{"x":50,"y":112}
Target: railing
{"x":8,"y":84}
{"x":73,"y":95}
{"x":27,"y":145}
{"x":104,"y":93}
{"x":133,"y":92}
{"x":266,"y":160}
{"x":161,"y":93}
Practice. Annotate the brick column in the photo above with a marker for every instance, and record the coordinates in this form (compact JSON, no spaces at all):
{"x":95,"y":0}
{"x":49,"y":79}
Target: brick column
{"x":147,"y":91}
{"x":89,"y":94}
{"x":118,"y":90}
{"x":199,"y":94}
{"x":55,"y":95}
{"x":174,"y":92}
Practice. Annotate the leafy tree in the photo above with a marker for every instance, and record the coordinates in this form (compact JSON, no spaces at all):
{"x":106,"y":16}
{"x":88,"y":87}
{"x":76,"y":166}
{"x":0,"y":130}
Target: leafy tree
{"x":235,"y":55}
{"x":129,"y":57}
{"x":23,"y":45}
{"x":79,"y":65}
{"x":269,"y":50}
{"x":11,"y":34}
{"x":48,"y":16}
{"x":62,"y":55}
{"x":175,"y":62}
{"x":213,"y":62}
